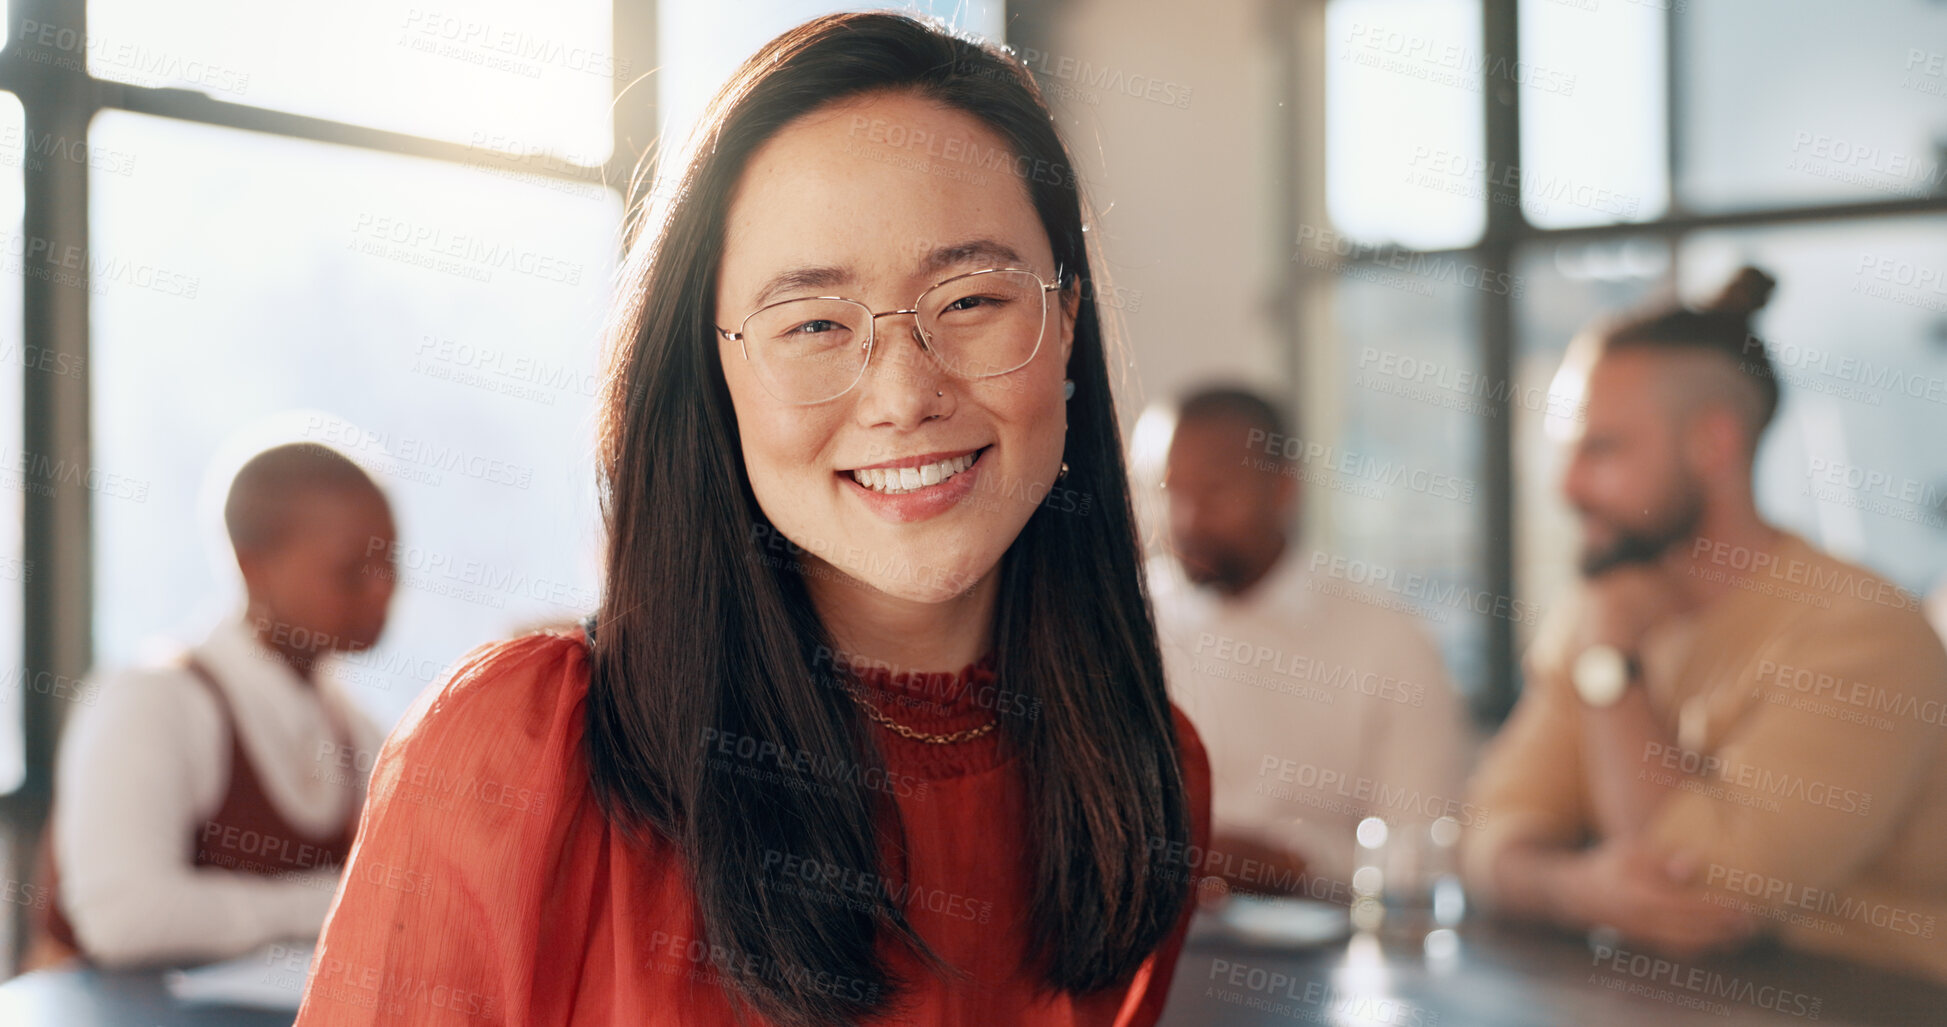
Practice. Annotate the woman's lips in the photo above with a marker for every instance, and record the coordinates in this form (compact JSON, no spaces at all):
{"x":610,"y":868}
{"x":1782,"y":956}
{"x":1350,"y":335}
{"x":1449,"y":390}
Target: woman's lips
{"x":923,"y":502}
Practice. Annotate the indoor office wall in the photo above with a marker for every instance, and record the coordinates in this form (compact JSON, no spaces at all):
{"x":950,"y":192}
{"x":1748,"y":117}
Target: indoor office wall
{"x":1172,"y":115}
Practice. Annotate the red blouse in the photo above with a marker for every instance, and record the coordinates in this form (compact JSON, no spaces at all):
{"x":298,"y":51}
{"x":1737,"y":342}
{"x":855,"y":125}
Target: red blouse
{"x":487,"y":887}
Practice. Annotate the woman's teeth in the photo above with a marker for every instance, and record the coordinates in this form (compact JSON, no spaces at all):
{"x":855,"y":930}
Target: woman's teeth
{"x":894,"y":480}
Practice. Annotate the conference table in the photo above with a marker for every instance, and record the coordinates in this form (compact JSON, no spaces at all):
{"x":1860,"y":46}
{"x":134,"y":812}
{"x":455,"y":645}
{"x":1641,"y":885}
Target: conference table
{"x":1501,"y":975}
{"x":1484,"y":973}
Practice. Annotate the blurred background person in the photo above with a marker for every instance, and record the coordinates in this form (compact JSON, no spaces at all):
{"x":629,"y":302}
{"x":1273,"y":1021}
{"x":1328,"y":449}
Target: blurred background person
{"x":1318,"y":709}
{"x":1725,"y":730}
{"x":204,"y":806}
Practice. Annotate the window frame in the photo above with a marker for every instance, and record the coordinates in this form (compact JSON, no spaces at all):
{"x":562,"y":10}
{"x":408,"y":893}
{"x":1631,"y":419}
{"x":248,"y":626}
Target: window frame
{"x":1507,"y":232}
{"x":57,"y":612}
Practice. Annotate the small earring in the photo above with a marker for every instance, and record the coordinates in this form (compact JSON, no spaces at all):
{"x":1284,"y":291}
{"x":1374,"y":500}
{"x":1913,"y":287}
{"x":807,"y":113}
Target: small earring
{"x":1067,"y":388}
{"x":937,"y":393}
{"x":1063,"y":473}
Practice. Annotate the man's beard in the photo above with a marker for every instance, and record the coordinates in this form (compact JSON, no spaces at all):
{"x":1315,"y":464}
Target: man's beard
{"x":1216,"y":568}
{"x":1645,"y":545}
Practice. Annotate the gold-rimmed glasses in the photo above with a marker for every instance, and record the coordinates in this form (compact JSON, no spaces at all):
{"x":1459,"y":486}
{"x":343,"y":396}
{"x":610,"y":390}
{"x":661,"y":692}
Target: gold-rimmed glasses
{"x":975,"y":325}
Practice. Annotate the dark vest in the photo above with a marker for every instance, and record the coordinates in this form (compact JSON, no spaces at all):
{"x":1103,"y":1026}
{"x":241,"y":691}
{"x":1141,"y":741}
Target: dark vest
{"x":246,"y":834}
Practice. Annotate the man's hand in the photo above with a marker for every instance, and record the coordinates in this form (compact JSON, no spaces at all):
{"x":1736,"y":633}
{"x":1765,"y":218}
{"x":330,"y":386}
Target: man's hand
{"x":1622,"y":884}
{"x":1621,"y":605}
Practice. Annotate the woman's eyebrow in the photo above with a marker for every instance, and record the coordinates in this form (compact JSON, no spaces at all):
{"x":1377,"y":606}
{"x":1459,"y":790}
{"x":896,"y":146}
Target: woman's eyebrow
{"x":809,"y":277}
{"x":985,"y":251}
{"x":937,"y":260}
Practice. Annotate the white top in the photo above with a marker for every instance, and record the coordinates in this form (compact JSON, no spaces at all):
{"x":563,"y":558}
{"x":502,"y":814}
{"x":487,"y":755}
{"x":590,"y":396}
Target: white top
{"x":1317,"y":709}
{"x":145,"y":767}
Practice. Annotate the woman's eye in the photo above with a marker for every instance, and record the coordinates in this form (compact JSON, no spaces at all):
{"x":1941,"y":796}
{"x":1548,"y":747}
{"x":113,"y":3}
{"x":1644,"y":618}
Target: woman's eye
{"x":973,"y":302}
{"x":815,"y":327}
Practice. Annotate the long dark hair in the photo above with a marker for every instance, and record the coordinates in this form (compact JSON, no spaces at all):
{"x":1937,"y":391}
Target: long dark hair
{"x":699,"y":636}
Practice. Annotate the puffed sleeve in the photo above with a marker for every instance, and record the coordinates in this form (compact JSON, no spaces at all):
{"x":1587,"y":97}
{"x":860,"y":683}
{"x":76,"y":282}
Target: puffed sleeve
{"x":1152,"y":985}
{"x":473,"y":818}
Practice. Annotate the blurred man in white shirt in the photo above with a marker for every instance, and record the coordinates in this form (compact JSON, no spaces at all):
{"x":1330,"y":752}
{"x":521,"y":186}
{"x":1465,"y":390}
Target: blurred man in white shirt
{"x":203,"y":807}
{"x":1318,"y":710}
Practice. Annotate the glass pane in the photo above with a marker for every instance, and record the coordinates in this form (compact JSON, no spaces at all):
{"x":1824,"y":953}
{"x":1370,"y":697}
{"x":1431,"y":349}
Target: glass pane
{"x":1857,"y":334}
{"x":21,"y":360}
{"x":698,"y":45}
{"x":1390,"y":480}
{"x":505,"y":75}
{"x":436,"y":323}
{"x":1567,"y":286}
{"x":1594,"y":149}
{"x":1405,"y":146}
{"x":1855,"y":101}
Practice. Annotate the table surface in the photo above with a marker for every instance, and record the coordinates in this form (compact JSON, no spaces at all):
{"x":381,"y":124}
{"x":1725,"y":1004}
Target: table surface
{"x":1494,"y":976}
{"x":101,"y":998}
{"x":1498,"y":975}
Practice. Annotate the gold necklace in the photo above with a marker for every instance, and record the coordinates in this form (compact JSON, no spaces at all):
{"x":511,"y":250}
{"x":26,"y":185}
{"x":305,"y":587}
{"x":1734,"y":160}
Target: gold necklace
{"x":963,"y":735}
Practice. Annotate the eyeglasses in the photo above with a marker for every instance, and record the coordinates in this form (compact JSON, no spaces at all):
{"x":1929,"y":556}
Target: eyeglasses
{"x":976,"y":325}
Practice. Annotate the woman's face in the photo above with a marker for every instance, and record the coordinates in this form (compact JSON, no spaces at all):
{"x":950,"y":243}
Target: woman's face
{"x":875,"y":200}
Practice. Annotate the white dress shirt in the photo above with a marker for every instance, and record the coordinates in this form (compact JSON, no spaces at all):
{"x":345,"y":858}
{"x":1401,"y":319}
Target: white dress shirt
{"x":1317,"y":709}
{"x":148,"y":764}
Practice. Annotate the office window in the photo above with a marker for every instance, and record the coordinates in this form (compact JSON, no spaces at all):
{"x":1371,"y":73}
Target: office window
{"x":504,"y":75}
{"x":436,"y":323}
{"x":1857,"y":335}
{"x":1855,"y":107}
{"x":1593,"y":147}
{"x":1567,"y":284}
{"x":17,"y":476}
{"x":1394,"y":480}
{"x":699,"y":45}
{"x":1404,"y":151}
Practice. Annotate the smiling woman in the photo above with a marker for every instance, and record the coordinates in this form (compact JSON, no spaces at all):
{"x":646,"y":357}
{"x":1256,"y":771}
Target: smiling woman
{"x":858,"y":382}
